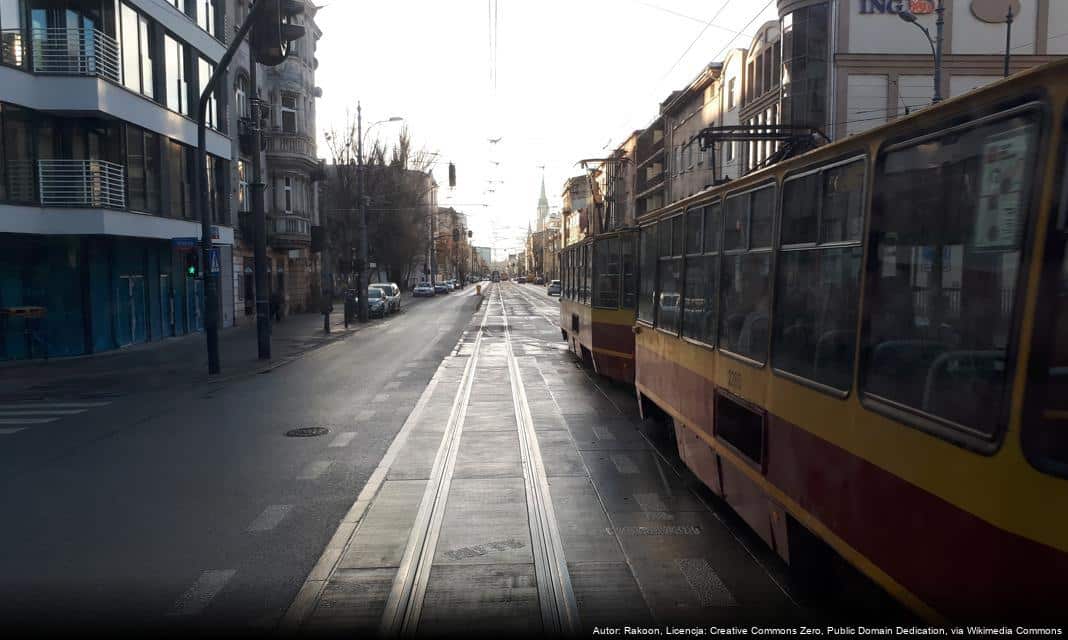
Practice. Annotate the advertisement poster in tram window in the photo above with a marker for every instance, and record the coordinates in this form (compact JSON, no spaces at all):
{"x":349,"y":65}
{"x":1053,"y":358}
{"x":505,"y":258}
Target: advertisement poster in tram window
{"x":998,"y":221}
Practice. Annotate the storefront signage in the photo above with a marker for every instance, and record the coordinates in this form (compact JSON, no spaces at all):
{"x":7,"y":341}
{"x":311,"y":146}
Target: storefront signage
{"x":918,"y":7}
{"x":994,"y":11}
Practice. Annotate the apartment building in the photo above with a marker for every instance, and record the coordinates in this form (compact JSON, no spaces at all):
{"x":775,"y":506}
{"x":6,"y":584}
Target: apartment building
{"x":97,"y":214}
{"x":290,"y":169}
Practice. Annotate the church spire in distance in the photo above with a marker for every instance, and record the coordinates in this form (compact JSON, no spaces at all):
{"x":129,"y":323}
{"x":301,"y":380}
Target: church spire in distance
{"x":543,"y":205}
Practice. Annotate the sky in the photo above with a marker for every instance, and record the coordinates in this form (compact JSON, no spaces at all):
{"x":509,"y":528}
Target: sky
{"x":556,"y":81}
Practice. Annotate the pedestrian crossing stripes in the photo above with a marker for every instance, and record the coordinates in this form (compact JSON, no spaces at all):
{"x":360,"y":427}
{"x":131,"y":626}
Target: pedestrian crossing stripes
{"x":16,"y":417}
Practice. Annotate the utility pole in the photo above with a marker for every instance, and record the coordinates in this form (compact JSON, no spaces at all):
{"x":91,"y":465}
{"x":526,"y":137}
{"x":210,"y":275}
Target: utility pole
{"x":1008,"y":40}
{"x":207,"y":256}
{"x":363,"y":215}
{"x":259,"y":224}
{"x":940,"y":24}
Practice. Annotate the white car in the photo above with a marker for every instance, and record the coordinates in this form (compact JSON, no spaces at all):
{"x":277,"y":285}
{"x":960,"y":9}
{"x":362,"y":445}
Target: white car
{"x":423,"y":289}
{"x":392,"y":293}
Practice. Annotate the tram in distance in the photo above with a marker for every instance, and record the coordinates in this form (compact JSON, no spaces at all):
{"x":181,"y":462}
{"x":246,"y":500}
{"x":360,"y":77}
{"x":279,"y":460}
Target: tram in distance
{"x":597,"y":318}
{"x":867,"y":345}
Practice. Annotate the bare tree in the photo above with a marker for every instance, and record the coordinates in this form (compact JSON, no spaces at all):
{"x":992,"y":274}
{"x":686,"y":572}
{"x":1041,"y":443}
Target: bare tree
{"x":396,"y":190}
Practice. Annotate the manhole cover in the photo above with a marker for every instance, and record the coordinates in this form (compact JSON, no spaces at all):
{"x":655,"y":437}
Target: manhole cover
{"x":307,"y":432}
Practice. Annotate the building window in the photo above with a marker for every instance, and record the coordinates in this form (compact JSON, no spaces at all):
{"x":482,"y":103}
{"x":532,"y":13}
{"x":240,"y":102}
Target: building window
{"x":241,"y":96}
{"x":804,"y":62}
{"x":289,"y":112}
{"x":206,"y":16}
{"x":730,"y":94}
{"x":204,"y":75}
{"x":948,"y":220}
{"x":179,"y":5}
{"x":817,"y":291}
{"x":142,"y":169}
{"x":746,"y":275}
{"x":177,"y":82}
{"x":137,"y":50}
{"x":179,"y":179}
{"x":288,"y":194}
{"x":244,"y":197}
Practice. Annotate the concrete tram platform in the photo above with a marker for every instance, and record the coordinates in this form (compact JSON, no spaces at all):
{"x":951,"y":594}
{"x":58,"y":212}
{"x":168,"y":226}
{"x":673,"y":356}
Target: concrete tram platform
{"x":518,"y":498}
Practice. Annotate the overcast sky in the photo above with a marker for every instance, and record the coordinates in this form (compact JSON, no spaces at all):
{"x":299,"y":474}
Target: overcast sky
{"x":573,"y":79}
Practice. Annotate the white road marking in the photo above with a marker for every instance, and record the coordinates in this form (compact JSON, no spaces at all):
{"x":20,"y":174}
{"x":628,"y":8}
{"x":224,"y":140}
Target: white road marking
{"x":270,"y":517}
{"x":27,"y":420}
{"x":314,"y":470}
{"x":390,"y":386}
{"x":7,"y":432}
{"x":403,"y":373}
{"x":381,"y":397}
{"x":343,"y":439}
{"x":200,"y":595}
{"x":366,"y":414}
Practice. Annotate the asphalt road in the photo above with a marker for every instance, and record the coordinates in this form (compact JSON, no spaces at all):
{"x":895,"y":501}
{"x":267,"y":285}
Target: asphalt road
{"x":191,"y":508}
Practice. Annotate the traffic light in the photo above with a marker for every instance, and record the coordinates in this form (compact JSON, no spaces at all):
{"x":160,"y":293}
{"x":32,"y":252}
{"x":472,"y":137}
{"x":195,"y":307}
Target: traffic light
{"x":192,"y":265}
{"x":452,"y":175}
{"x":274,"y":30}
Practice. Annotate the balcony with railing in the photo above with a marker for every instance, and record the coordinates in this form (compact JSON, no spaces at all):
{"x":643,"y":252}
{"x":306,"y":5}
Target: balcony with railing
{"x":96,"y":184}
{"x":294,"y":145}
{"x":289,"y":231}
{"x":71,"y":51}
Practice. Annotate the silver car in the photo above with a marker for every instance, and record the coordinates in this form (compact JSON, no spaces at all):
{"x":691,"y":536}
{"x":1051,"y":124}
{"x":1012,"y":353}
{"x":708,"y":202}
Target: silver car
{"x":392,"y":293}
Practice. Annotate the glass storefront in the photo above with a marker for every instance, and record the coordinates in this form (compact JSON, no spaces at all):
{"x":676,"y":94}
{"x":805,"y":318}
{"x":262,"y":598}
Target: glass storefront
{"x":805,"y":52}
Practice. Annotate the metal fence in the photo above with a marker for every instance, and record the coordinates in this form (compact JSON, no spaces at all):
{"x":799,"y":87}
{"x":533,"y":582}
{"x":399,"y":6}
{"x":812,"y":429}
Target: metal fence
{"x":75,"y":51}
{"x":81,"y":183}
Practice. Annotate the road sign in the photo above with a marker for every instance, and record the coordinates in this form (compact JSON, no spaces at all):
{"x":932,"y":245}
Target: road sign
{"x":373,"y":265}
{"x":184,"y":244}
{"x":214,"y":260}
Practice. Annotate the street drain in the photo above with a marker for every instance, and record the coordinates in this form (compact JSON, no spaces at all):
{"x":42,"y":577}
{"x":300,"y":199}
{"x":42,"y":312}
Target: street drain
{"x":307,"y":432}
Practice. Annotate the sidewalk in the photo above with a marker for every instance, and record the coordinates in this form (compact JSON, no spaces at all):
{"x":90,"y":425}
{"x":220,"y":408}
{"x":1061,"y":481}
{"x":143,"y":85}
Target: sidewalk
{"x":169,"y":363}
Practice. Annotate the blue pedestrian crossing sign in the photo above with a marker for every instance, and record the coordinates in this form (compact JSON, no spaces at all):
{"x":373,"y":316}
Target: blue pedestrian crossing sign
{"x":214,"y":260}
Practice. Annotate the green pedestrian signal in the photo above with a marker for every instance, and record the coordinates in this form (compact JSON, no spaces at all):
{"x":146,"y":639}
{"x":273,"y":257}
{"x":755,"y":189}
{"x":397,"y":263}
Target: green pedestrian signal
{"x":192,"y":265}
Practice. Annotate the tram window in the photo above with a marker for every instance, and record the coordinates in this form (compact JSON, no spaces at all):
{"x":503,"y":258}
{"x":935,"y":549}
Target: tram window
{"x":587,"y":276}
{"x":670,"y":276}
{"x":736,"y":223}
{"x":744,"y":295}
{"x":842,"y":213}
{"x":800,"y":208}
{"x":606,"y":257}
{"x":713,"y":224}
{"x":763,"y":212}
{"x":630,"y":269}
{"x":1045,"y":430}
{"x":694,"y":221}
{"x":817,"y":290}
{"x":647,"y":274}
{"x":948,"y":219}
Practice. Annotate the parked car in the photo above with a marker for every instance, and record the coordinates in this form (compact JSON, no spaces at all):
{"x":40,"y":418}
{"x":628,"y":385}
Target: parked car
{"x":539,"y":280}
{"x":521,"y":280}
{"x":423,"y":290}
{"x":554,"y":288}
{"x":393,"y":294}
{"x":377,"y":305}
{"x":441,"y":287}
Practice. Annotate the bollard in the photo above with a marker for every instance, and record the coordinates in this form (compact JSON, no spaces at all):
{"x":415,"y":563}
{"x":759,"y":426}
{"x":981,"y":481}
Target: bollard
{"x":478,"y":289}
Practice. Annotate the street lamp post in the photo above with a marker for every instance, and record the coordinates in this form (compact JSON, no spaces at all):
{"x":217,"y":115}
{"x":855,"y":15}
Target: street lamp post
{"x":361,"y":201}
{"x":936,"y":44}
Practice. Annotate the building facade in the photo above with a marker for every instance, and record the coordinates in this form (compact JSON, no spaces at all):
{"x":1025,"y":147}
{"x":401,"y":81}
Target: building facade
{"x":98,"y":219}
{"x":290,"y":169}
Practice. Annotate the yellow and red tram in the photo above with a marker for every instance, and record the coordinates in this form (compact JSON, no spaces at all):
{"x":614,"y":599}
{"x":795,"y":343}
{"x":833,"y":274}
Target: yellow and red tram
{"x":598,"y":301}
{"x":869,"y":344}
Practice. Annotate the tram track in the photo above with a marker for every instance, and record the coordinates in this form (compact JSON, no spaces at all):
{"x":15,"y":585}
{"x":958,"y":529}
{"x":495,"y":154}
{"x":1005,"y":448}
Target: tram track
{"x":557,"y":603}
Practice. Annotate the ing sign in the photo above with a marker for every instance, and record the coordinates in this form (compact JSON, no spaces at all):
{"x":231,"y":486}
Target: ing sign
{"x":918,"y":7}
